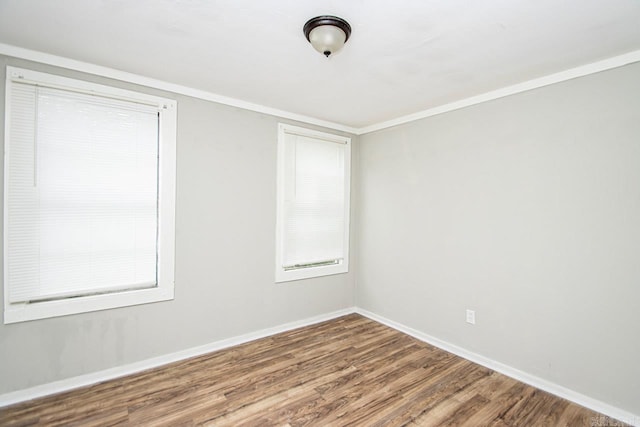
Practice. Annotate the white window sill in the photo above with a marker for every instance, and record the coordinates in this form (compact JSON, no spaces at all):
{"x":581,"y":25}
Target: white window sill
{"x":40,"y":310}
{"x":283,"y":275}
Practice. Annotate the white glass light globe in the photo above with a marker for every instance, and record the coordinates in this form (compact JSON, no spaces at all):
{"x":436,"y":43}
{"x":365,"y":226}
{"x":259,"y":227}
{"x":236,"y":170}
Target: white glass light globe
{"x":327,"y":39}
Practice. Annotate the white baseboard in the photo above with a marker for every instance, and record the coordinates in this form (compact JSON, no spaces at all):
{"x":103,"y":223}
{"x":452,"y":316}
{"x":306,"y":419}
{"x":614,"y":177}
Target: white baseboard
{"x":132,"y":368}
{"x":510,"y":371}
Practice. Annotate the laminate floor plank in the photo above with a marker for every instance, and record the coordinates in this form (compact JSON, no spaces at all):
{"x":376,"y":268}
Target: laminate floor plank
{"x":500,"y":401}
{"x":349,"y":371}
{"x":440,"y":414}
{"x":421,"y":401}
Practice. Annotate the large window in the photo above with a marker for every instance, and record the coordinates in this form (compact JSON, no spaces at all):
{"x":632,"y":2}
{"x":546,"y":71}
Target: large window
{"x":313,"y":204}
{"x":89,"y":197}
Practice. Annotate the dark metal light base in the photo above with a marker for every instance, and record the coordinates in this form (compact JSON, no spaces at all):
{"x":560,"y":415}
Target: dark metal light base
{"x":327,"y":20}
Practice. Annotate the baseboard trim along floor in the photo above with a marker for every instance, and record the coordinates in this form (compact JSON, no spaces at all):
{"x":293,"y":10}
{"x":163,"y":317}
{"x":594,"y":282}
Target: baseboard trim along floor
{"x":128,"y":369}
{"x":542,"y":384}
{"x":132,"y":368}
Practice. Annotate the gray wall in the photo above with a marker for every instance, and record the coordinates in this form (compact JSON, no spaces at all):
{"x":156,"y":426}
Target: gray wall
{"x":525,"y":209}
{"x":225,"y":255}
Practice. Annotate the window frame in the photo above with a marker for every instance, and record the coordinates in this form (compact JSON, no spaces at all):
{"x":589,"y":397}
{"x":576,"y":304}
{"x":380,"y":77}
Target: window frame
{"x":283,"y":275}
{"x":164,"y":291}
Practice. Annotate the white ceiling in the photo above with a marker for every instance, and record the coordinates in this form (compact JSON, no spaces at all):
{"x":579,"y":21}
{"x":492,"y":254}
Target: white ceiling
{"x":403,"y":56}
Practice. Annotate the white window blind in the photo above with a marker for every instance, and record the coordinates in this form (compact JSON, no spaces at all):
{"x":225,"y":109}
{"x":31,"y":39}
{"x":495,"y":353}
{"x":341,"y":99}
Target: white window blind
{"x":82,"y":202}
{"x":312,"y":221}
{"x":314,"y":201}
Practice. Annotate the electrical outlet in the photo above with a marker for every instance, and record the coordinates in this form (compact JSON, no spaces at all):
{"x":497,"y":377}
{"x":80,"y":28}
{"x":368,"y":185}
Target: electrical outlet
{"x":471,"y":316}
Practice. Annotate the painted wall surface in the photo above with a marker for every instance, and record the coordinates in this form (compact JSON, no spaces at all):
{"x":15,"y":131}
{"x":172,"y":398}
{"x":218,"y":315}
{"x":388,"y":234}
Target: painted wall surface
{"x":225,"y":255}
{"x":525,"y":209}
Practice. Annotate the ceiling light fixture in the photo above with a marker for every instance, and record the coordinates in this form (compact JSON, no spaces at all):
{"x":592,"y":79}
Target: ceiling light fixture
{"x":327,"y":34}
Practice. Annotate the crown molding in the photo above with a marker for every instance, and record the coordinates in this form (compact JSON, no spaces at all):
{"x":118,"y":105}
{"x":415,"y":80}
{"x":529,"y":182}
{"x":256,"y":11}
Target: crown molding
{"x":584,"y":70}
{"x":98,"y":70}
{"x":58,"y":61}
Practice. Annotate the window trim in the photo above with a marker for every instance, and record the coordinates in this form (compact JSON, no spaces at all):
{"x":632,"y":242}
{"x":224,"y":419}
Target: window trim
{"x":164,"y":290}
{"x":286,"y":275}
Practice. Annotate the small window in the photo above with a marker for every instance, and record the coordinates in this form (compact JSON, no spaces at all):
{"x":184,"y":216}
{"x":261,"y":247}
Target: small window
{"x":89,"y":197}
{"x":312,"y":204}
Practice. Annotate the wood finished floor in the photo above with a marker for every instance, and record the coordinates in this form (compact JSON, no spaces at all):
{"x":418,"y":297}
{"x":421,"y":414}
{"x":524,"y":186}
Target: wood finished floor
{"x":347,"y":371}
